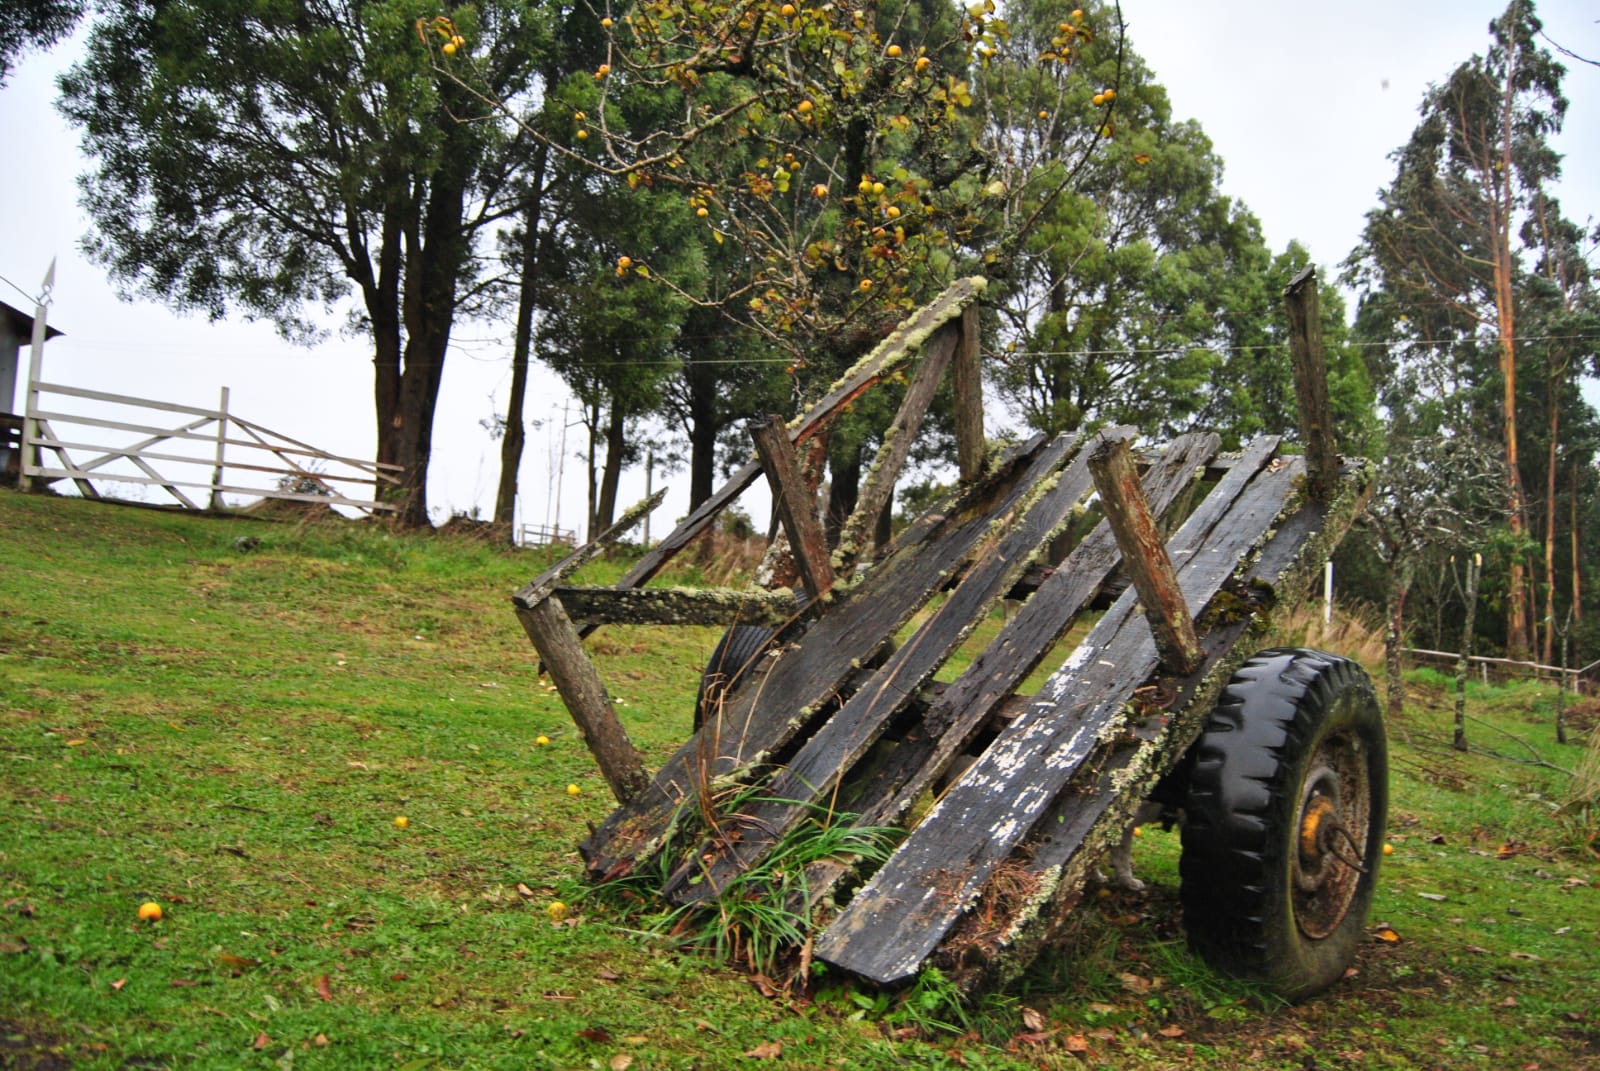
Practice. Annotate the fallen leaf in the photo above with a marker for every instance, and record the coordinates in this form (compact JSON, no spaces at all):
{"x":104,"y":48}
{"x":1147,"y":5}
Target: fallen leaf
{"x":1509,"y":1002}
{"x":597,"y":1034}
{"x":183,"y":983}
{"x":261,"y":1041}
{"x":1104,"y":1009}
{"x":320,"y":1041}
{"x":1509,"y":849}
{"x":1387,"y":935}
{"x":1477,"y":950}
{"x":324,"y":990}
{"x":119,"y":983}
{"x":1032,"y":1020}
{"x":767,"y":1050}
{"x":1075,"y":1043}
{"x":621,"y":1061}
{"x":1172,"y":1030}
{"x":636,"y":1039}
{"x":764,"y":984}
{"x":236,"y":963}
{"x":1134,"y":984}
{"x":701,"y":1024}
{"x":1524,"y":955}
{"x":1436,"y":897}
{"x":524,"y":892}
{"x":607,"y":976}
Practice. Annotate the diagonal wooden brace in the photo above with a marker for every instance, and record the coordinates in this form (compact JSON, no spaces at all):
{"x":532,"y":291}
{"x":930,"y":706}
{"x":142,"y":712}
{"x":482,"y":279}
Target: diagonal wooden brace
{"x":792,"y":496}
{"x":1144,"y":555}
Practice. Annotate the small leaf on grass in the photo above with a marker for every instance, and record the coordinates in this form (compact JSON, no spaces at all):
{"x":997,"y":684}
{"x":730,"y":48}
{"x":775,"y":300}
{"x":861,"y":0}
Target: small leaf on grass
{"x":524,"y":892}
{"x":320,"y":1041}
{"x":324,"y":990}
{"x":621,"y":1061}
{"x":636,"y":1039}
{"x":767,"y":1050}
{"x":597,"y":1034}
{"x":1075,"y":1043}
{"x":261,"y":1041}
{"x":1171,"y":1030}
{"x":183,"y":983}
{"x":236,"y":963}
{"x":119,"y":983}
{"x":1134,"y":984}
{"x":1032,"y":1020}
{"x":1387,"y":935}
{"x":606,"y":976}
{"x":1436,"y":897}
{"x":1524,"y":955}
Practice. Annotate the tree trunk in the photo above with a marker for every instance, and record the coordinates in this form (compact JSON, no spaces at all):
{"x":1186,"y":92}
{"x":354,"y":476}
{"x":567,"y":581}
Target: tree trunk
{"x":511,"y":447}
{"x":611,"y":475}
{"x":1400,"y":573}
{"x":1464,"y":660}
{"x":1550,"y":527}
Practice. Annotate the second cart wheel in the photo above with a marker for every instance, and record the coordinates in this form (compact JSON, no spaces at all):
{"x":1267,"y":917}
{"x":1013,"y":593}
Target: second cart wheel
{"x":1284,"y":818}
{"x":730,"y":659}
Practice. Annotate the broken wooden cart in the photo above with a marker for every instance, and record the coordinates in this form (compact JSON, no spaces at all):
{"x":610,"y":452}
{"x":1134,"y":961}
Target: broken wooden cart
{"x":828,"y":703}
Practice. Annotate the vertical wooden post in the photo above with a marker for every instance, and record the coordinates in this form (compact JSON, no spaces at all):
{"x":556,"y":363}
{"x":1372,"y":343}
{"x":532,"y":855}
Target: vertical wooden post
{"x":967,"y":379}
{"x":222,"y":439}
{"x":1311,"y":383}
{"x":30,"y":410}
{"x":1144,"y":555}
{"x":792,"y":499}
{"x":548,"y":626}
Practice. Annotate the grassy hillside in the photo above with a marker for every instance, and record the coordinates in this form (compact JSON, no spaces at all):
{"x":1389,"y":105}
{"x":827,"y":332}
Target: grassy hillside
{"x":226,"y":717}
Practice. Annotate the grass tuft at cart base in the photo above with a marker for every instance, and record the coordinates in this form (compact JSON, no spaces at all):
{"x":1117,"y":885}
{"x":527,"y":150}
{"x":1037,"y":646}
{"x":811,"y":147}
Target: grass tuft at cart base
{"x":230,"y":736}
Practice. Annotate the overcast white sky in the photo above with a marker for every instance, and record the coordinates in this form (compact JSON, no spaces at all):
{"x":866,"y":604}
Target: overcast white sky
{"x":1303,"y":102}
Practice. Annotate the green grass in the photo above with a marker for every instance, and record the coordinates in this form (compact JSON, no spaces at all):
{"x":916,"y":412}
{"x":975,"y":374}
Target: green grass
{"x":231,"y":732}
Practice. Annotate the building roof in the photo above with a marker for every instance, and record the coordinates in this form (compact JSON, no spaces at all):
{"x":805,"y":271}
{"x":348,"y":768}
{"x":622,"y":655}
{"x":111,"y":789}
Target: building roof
{"x":22,"y":323}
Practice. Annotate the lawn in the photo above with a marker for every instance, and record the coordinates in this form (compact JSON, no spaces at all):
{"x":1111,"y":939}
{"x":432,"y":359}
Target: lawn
{"x":227,"y":716}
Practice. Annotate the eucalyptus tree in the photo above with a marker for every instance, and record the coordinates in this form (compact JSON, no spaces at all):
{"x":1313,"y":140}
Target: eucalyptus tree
{"x":1446,"y":245}
{"x":272,"y":159}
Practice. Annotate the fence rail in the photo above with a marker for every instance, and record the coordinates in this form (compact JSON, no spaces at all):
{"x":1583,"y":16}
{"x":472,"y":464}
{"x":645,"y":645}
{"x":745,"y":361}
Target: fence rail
{"x":1505,"y":667}
{"x":285,"y":468}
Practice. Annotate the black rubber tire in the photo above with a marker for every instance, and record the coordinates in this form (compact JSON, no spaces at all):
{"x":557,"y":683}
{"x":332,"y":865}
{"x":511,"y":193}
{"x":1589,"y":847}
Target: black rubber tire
{"x":730,"y":660}
{"x":1288,"y":787}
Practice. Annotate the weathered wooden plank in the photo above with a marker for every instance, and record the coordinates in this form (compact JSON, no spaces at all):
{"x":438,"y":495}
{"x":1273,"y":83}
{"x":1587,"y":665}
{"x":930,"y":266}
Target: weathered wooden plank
{"x":796,"y":507}
{"x":780,"y":697}
{"x":678,"y":606}
{"x":878,"y":486}
{"x":888,"y":355}
{"x":967,"y":381}
{"x":585,"y":695}
{"x":1144,"y":555}
{"x":1311,"y":382}
{"x":1080,"y":825}
{"x":914,"y":899}
{"x":542,"y":585}
{"x":1022,"y":643}
{"x":837,"y":745}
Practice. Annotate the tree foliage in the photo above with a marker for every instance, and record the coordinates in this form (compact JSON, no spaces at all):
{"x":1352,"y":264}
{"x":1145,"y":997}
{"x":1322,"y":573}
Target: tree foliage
{"x":35,"y":24}
{"x":271,"y":159}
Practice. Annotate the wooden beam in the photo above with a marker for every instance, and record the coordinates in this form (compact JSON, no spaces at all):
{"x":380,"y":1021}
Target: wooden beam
{"x":967,"y":381}
{"x":537,"y":589}
{"x":796,"y":508}
{"x":879,"y":485}
{"x":1311,"y":383}
{"x":887,"y":356}
{"x":551,"y":631}
{"x":678,"y":606}
{"x":1144,"y":555}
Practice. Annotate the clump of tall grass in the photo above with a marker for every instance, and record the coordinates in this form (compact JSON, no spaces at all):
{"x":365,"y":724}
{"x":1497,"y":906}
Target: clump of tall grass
{"x":1353,"y":632}
{"x":1581,"y":807}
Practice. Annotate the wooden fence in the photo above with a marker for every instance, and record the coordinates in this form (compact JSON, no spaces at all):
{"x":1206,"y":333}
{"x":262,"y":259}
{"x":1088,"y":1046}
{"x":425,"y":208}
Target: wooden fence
{"x":213,"y":450}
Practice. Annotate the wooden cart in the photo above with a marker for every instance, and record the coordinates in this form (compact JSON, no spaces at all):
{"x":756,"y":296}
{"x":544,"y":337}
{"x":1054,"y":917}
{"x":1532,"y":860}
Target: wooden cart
{"x":831,"y":696}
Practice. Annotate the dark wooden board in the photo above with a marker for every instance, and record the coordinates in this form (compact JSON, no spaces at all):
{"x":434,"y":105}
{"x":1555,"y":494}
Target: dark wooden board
{"x":812,"y":772}
{"x":1081,"y":824}
{"x":780,"y":697}
{"x":677,"y":606}
{"x":962,"y":708}
{"x":906,"y":909}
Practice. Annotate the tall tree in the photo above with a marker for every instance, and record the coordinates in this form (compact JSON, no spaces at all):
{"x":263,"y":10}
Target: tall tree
{"x":31,"y":24}
{"x":264,"y":158}
{"x":1445,"y":241}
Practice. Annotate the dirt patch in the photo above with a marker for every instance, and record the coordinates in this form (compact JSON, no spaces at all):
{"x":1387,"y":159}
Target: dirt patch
{"x":23,"y":1048}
